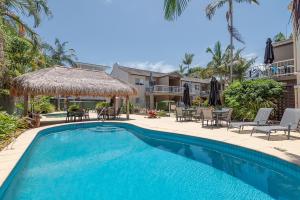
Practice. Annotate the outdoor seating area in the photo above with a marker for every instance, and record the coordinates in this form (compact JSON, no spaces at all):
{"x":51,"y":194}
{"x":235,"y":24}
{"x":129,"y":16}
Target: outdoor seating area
{"x":214,"y":116}
{"x":108,"y":113}
{"x":77,"y":115}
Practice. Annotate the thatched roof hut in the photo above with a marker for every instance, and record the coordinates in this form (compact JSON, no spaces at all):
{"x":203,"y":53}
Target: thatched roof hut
{"x":63,"y":81}
{"x":70,"y":82}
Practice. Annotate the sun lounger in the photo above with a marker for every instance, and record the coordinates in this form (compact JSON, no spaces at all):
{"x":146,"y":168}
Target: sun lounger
{"x":289,"y":122}
{"x":261,"y":119}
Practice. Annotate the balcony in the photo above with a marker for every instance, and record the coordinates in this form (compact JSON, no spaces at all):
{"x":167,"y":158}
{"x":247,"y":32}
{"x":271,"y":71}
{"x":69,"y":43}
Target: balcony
{"x":278,"y":70}
{"x":172,"y":90}
{"x":164,"y":89}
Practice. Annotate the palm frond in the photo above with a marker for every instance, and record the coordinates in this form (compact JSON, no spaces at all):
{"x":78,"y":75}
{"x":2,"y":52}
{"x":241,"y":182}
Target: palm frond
{"x":174,"y":8}
{"x":212,"y":7}
{"x":235,"y":33}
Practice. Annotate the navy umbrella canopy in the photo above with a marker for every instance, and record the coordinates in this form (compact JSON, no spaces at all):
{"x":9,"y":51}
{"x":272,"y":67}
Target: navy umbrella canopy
{"x":214,"y":95}
{"x":269,"y":52}
{"x":186,"y":95}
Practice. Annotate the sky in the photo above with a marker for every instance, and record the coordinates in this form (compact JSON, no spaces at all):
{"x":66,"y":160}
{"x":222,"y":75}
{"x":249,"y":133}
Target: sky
{"x":134,"y":33}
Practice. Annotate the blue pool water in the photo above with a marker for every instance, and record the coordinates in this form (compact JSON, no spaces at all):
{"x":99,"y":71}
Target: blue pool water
{"x":120,"y":161}
{"x":55,"y":115}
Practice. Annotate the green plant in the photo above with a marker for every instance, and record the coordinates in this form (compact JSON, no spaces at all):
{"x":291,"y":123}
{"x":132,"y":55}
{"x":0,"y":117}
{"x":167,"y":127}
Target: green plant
{"x":9,"y":124}
{"x":162,"y":113}
{"x":131,"y":108}
{"x":42,"y":105}
{"x":162,"y":106}
{"x":247,"y":97}
{"x":102,"y":104}
{"x":197,"y":101}
{"x":73,"y":107}
{"x":205,"y":103}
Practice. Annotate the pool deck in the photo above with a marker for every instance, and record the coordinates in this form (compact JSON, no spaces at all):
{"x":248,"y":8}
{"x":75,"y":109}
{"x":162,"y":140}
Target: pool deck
{"x":278,"y":145}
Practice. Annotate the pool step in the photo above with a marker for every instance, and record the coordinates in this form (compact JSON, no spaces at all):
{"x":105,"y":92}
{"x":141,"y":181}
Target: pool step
{"x":106,"y":129}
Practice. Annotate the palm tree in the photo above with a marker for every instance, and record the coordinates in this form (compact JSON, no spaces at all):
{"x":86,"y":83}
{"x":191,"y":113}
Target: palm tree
{"x":234,"y":34}
{"x":174,"y":8}
{"x":181,"y":70}
{"x":219,"y":64}
{"x":59,"y":54}
{"x":188,"y":59}
{"x":241,"y":64}
{"x":279,"y":37}
{"x":11,"y":13}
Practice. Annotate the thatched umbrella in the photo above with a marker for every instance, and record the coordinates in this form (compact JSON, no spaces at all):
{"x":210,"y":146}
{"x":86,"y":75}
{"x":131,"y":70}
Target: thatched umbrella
{"x":70,"y":82}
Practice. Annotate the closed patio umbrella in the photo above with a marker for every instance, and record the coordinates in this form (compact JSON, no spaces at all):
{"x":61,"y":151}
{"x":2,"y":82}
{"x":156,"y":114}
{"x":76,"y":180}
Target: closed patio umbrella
{"x":186,"y":95}
{"x":269,"y":52}
{"x":214,"y":95}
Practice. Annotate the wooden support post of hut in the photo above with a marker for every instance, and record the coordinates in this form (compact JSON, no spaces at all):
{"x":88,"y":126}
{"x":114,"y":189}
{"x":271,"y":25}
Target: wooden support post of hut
{"x":127,"y":107}
{"x":26,"y":102}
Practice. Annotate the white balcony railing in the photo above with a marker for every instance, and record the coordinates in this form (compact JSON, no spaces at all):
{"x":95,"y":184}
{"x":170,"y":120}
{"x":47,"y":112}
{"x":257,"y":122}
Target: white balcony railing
{"x":166,"y":89}
{"x":277,"y":69}
{"x":170,"y":90}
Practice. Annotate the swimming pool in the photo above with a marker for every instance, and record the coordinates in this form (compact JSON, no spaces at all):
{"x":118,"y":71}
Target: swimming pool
{"x":122,"y":161}
{"x":55,"y":115}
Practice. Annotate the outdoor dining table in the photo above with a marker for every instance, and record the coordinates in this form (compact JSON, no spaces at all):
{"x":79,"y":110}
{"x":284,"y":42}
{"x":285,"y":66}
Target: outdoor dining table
{"x":218,"y":113}
{"x":188,"y":112}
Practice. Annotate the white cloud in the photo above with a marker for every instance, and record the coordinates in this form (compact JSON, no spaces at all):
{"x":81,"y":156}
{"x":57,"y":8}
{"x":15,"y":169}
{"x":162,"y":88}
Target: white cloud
{"x":160,"y":66}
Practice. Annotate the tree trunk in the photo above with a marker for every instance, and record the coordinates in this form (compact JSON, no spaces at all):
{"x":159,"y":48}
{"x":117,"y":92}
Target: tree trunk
{"x":1,"y":49}
{"x":231,"y":38}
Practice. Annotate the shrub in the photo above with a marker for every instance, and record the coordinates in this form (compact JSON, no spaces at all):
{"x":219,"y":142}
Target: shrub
{"x":162,"y":106}
{"x":197,"y":101}
{"x":247,"y":97}
{"x":9,"y":124}
{"x":101,"y":105}
{"x":131,"y":108}
{"x":42,"y":105}
{"x":162,"y":113}
{"x":73,"y":107}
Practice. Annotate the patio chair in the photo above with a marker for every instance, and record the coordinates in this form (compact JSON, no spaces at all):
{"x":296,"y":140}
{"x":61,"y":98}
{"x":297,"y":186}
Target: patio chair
{"x":289,"y":122}
{"x":198,"y":114}
{"x":179,"y":113}
{"x":86,"y":114}
{"x":110,"y":113}
{"x":207,"y":115}
{"x":261,"y":119}
{"x":226,"y":117}
{"x":78,"y":114}
{"x":118,"y":114}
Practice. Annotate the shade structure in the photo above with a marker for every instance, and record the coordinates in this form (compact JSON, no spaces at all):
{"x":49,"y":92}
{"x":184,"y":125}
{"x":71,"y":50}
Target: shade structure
{"x":186,"y":95}
{"x":269,"y":52}
{"x":66,"y":81}
{"x":214,"y":95}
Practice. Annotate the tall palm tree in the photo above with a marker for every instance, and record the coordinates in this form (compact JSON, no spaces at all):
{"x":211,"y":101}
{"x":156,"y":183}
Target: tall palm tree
{"x":11,"y":13}
{"x":59,"y":54}
{"x":218,"y":63}
{"x":187,"y":60}
{"x":174,"y":8}
{"x":234,"y":34}
{"x":181,"y":69}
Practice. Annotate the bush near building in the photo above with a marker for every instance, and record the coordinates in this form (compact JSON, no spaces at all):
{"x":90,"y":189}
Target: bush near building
{"x":246,"y":97}
{"x":9,"y":125}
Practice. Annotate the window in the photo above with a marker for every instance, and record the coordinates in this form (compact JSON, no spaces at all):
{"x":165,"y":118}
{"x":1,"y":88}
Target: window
{"x":197,"y":87}
{"x":139,"y":81}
